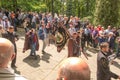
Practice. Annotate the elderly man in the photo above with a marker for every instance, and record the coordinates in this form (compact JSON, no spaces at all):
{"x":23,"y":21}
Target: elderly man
{"x":74,"y":68}
{"x":6,"y":55}
{"x":111,"y":41}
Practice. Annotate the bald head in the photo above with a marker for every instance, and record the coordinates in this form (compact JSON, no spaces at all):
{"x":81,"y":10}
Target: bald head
{"x":6,"y":52}
{"x":74,"y":68}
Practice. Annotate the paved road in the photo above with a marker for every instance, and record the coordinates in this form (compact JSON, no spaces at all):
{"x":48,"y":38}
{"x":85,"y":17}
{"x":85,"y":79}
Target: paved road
{"x":47,"y":65}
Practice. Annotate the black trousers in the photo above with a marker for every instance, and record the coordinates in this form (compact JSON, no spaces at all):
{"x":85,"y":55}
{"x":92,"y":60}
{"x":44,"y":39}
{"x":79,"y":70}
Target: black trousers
{"x":14,"y":60}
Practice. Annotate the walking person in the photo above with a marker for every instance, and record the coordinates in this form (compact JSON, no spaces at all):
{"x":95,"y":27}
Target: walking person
{"x":13,"y":37}
{"x":43,"y":36}
{"x":103,"y":69}
{"x":31,"y":42}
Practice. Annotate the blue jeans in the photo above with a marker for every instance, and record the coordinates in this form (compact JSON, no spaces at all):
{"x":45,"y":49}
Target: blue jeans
{"x":33,"y":49}
{"x":45,"y":42}
{"x":34,"y":25}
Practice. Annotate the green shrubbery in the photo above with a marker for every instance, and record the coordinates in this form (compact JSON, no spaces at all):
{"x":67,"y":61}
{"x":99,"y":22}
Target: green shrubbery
{"x":106,"y":12}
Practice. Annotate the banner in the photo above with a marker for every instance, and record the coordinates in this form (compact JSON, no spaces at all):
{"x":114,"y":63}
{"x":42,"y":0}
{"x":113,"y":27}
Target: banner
{"x":61,"y":38}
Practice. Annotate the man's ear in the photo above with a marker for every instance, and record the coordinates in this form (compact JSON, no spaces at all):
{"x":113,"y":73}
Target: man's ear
{"x":13,"y":56}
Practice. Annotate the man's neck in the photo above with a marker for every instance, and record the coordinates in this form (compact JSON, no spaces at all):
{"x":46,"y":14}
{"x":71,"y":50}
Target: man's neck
{"x":104,"y":52}
{"x":10,"y":31}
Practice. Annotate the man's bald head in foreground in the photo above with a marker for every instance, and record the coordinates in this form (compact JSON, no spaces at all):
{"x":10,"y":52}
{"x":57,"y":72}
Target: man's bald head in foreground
{"x":74,"y":68}
{"x":6,"y":52}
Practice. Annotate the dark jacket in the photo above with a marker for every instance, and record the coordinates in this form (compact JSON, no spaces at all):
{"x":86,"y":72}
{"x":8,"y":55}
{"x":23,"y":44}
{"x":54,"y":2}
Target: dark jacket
{"x":103,"y":69}
{"x":12,"y":37}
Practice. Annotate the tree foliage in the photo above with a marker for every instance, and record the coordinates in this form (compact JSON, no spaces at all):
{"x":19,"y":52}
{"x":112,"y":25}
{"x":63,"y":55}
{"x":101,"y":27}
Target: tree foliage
{"x":107,"y":12}
{"x":69,"y":8}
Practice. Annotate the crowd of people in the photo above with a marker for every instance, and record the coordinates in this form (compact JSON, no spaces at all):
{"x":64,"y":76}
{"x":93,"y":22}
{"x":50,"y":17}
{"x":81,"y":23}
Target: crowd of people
{"x":42,"y":26}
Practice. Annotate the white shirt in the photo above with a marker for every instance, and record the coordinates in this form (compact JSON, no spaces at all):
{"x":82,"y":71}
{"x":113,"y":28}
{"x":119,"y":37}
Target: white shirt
{"x":4,"y":24}
{"x":34,"y":19}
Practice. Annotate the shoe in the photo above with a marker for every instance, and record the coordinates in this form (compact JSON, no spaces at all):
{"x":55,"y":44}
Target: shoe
{"x":31,"y":55}
{"x":43,"y":52}
{"x":14,"y":66}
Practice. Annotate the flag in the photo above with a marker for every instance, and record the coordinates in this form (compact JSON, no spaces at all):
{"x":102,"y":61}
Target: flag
{"x":61,"y":38}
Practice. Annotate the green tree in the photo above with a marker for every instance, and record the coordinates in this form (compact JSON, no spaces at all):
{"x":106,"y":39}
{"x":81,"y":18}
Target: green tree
{"x":69,"y":8}
{"x":107,"y":12}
